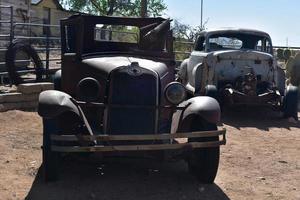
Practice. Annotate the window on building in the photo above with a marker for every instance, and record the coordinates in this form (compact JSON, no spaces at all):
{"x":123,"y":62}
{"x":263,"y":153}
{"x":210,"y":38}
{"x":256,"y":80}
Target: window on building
{"x":46,"y":20}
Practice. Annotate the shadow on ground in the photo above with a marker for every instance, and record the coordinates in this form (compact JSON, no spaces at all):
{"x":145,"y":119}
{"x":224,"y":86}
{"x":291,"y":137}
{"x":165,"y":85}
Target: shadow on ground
{"x":260,"y":118}
{"x":123,"y":179}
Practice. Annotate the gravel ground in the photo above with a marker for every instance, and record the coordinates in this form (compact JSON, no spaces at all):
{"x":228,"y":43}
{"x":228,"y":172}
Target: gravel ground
{"x":260,"y":161}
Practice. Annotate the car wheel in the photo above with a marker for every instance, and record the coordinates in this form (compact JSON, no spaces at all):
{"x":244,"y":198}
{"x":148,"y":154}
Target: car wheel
{"x":50,"y":158}
{"x":203,"y":163}
{"x":212,"y":91}
{"x":290,"y":102}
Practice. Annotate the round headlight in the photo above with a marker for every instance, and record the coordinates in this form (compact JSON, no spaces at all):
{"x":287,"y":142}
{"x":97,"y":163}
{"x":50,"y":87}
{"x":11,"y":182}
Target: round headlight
{"x":88,"y":89}
{"x":175,"y":93}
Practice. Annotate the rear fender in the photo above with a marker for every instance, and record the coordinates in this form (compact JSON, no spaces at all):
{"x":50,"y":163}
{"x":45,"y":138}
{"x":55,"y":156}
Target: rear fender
{"x":206,"y":108}
{"x":53,"y":103}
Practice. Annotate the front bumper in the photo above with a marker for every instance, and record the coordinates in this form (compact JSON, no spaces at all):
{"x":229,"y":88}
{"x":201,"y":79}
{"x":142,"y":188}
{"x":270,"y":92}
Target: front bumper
{"x":233,"y":97}
{"x":176,"y":141}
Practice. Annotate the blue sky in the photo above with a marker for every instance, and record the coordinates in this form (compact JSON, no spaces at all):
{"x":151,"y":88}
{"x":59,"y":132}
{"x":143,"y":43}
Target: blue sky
{"x":280,"y":18}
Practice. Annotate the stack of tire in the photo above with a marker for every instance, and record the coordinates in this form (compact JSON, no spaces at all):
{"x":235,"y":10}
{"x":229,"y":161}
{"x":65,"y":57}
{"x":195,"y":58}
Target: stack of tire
{"x":293,"y":70}
{"x":30,"y":53}
{"x":293,"y":80}
{"x":284,"y":54}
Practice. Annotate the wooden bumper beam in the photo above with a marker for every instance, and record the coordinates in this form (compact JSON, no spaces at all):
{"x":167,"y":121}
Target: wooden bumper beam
{"x":146,"y":147}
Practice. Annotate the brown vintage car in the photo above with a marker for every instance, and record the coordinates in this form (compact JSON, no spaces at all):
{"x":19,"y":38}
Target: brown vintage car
{"x":116,"y":95}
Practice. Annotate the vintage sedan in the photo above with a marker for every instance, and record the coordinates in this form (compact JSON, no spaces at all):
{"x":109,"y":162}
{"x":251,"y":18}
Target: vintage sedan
{"x":116,"y":95}
{"x":238,"y":68}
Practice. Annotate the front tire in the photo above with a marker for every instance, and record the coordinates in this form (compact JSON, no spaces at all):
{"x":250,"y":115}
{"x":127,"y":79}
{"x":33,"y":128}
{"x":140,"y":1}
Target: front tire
{"x":50,"y":158}
{"x":203,"y":163}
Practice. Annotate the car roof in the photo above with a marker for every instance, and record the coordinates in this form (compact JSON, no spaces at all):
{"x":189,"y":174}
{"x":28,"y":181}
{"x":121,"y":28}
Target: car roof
{"x":234,"y":30}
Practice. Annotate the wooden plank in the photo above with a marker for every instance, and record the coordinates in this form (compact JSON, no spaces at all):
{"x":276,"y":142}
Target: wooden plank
{"x":152,"y":147}
{"x":29,"y":88}
{"x":140,"y":137}
{"x":31,"y":105}
{"x":10,"y":97}
{"x":17,"y":97}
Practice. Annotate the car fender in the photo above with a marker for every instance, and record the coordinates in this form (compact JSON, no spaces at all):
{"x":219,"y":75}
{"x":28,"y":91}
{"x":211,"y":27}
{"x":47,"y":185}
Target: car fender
{"x":206,"y":108}
{"x":57,"y":80}
{"x":53,"y":103}
{"x":197,"y":77}
{"x":182,"y":73}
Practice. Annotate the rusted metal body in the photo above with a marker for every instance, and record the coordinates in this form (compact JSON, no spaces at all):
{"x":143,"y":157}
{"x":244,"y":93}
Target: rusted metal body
{"x":104,"y":142}
{"x":239,"y":64}
{"x":118,"y":94}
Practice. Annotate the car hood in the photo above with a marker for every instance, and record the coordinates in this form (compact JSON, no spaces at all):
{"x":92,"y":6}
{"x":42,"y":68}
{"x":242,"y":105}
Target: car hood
{"x":105,"y":65}
{"x":241,"y":55}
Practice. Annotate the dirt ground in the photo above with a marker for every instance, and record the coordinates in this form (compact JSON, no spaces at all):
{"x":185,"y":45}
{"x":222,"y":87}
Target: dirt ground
{"x":260,"y":161}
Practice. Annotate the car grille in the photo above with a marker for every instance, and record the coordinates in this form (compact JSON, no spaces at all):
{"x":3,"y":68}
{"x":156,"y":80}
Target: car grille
{"x":132,"y":89}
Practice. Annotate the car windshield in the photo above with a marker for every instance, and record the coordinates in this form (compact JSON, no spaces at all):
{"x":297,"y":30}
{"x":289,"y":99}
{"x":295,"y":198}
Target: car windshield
{"x":88,"y":35}
{"x":230,"y":41}
{"x":116,"y":33}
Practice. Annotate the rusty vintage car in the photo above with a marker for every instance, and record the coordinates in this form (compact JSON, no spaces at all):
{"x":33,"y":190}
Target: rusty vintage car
{"x":238,"y":68}
{"x":116,"y":95}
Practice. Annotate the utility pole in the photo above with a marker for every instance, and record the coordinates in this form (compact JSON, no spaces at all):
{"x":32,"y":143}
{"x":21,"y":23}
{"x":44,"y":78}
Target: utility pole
{"x":201,"y":25}
{"x":143,"y":8}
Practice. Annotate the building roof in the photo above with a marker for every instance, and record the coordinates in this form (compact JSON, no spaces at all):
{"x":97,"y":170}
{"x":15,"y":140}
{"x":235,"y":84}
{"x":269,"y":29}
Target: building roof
{"x":56,"y":2}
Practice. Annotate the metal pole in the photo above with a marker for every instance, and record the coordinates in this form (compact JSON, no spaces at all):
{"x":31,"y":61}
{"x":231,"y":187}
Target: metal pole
{"x":47,"y":52}
{"x":201,"y":15}
{"x":11,"y":24}
{"x":143,"y":8}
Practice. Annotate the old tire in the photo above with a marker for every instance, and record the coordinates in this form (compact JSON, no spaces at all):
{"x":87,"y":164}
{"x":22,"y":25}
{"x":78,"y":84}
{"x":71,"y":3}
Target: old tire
{"x":212,"y":91}
{"x":203,"y":163}
{"x":290,"y":102}
{"x":10,"y":58}
{"x":50,"y":158}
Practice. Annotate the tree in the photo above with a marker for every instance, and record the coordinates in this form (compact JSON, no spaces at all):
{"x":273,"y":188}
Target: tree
{"x":115,"y":7}
{"x":186,"y":32}
{"x":185,"y":36}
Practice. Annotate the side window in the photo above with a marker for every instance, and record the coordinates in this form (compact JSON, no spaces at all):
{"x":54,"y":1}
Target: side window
{"x":200,"y":44}
{"x":264,"y":45}
{"x":258,"y":46}
{"x":268,"y":46}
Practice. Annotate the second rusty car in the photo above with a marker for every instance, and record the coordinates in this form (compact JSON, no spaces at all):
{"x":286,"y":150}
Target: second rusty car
{"x":238,"y":67}
{"x":116,"y":95}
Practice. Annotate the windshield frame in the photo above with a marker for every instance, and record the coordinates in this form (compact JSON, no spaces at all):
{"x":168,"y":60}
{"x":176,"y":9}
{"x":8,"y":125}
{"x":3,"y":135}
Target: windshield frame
{"x":85,"y":44}
{"x":258,"y":35}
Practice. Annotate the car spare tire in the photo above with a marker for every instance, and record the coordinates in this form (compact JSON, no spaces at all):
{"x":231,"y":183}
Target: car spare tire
{"x":290,"y":102}
{"x":30,"y":54}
